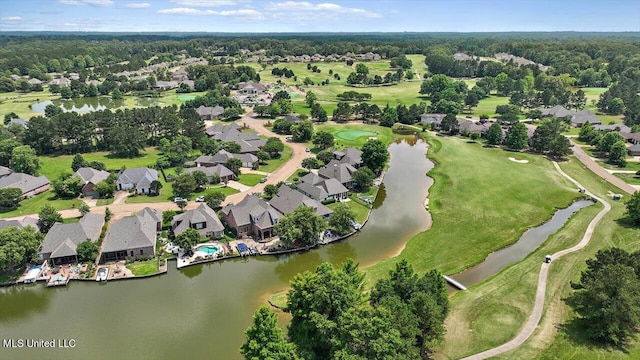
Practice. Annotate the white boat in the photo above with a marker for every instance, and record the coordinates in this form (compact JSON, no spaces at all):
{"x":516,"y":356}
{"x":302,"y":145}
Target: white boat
{"x":103,"y":273}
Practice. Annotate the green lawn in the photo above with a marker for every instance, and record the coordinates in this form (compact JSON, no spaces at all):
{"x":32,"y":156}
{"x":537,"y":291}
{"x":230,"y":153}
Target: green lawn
{"x":273,"y":164}
{"x":382,"y":133}
{"x":480,"y":317}
{"x":475,"y":209}
{"x":19,"y":103}
{"x":101,"y":202}
{"x":53,"y":165}
{"x":249,"y":179}
{"x":629,"y":178}
{"x":34,"y":205}
{"x":143,"y":267}
{"x":361,"y":210}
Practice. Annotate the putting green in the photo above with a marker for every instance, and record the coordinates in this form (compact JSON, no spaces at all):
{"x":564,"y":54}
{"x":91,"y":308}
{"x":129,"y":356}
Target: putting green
{"x":351,"y":135}
{"x":186,"y":97}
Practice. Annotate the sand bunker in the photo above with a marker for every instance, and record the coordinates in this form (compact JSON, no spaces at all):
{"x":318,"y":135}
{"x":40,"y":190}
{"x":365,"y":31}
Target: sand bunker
{"x":518,"y":161}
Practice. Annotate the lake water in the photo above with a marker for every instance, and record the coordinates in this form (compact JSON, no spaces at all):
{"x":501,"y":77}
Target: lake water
{"x":201,"y":312}
{"x":80,"y":104}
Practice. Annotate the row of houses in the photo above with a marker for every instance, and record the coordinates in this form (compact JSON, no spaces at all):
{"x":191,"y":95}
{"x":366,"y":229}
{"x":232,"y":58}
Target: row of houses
{"x":577,"y":119}
{"x":260,"y":56}
{"x":249,"y":141}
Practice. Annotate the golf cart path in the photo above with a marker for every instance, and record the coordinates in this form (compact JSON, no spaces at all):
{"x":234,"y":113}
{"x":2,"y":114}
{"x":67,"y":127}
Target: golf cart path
{"x":584,"y":158}
{"x":538,"y":305}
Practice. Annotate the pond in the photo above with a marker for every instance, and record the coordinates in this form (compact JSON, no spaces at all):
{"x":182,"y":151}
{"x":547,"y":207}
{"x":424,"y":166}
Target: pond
{"x":202,"y":311}
{"x":80,"y":104}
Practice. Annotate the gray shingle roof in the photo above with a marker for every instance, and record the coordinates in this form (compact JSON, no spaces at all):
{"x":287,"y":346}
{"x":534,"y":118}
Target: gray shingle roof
{"x":558,"y":111}
{"x":287,"y":200}
{"x":20,"y":223}
{"x":219,"y":169}
{"x":141,"y":177}
{"x":340,"y":171}
{"x":250,"y":210}
{"x":24,"y":182}
{"x":333,"y":187}
{"x":615,"y":127}
{"x":91,"y":175}
{"x":585,"y":116}
{"x":202,"y":214}
{"x":311,"y":178}
{"x":63,"y":239}
{"x":132,"y":232}
{"x":314,"y":192}
{"x":4,"y":171}
{"x":214,"y":112}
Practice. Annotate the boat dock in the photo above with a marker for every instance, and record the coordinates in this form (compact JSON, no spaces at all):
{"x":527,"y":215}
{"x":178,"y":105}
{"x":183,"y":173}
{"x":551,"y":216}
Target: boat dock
{"x":454,"y":283}
{"x":58,"y":280}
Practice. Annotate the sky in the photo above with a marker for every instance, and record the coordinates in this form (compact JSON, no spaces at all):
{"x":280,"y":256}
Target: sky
{"x":319,"y":16}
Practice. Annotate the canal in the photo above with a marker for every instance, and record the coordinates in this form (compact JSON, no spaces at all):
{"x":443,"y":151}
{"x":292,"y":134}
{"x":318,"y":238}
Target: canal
{"x":202,"y":311}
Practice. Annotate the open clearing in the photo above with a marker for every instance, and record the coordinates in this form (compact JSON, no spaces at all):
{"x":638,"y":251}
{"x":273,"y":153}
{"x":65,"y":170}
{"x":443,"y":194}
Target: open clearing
{"x":352,"y":135}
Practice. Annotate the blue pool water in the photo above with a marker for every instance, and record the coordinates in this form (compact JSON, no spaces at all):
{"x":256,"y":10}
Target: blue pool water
{"x":209,"y":249}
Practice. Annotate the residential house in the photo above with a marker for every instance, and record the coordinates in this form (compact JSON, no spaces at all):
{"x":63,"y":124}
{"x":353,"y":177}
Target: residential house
{"x":251,"y":217}
{"x":131,"y":236}
{"x":460,"y":56}
{"x":634,"y":150}
{"x":287,"y":200}
{"x":61,"y":242}
{"x":339,"y":171}
{"x":557,"y":111}
{"x":351,"y":156}
{"x":252,"y":88}
{"x":90,"y":177}
{"x":222,"y":157}
{"x":74,"y":76}
{"x":203,"y":219}
{"x":29,"y":185}
{"x":469,"y":127}
{"x":249,"y":141}
{"x":20,"y":223}
{"x":61,"y":82}
{"x":432,"y":119}
{"x":622,"y":128}
{"x":225,"y":175}
{"x":34,"y":81}
{"x":139,"y":179}
{"x":292,"y":119}
{"x":325,"y":189}
{"x":583,"y":117}
{"x":165,"y":85}
{"x":21,"y":122}
{"x":180,"y":75}
{"x":633,"y":138}
{"x":5,"y":171}
{"x":209,"y":113}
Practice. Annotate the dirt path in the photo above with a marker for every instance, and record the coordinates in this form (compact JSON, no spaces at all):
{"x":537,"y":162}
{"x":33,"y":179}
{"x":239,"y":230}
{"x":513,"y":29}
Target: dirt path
{"x":584,"y":158}
{"x":538,"y":305}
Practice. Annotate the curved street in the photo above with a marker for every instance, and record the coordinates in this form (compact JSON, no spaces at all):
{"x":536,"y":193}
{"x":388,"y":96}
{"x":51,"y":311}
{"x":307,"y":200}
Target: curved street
{"x":538,"y":305}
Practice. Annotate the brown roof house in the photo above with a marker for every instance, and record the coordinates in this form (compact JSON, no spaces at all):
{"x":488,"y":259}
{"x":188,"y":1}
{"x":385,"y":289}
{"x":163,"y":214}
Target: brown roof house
{"x":29,"y":185}
{"x":251,"y":217}
{"x":203,"y":219}
{"x":61,"y":243}
{"x":132,"y":236}
{"x":90,"y":177}
{"x":634,"y":150}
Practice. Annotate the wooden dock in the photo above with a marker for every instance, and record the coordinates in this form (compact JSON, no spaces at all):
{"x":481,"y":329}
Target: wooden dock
{"x":58,"y":280}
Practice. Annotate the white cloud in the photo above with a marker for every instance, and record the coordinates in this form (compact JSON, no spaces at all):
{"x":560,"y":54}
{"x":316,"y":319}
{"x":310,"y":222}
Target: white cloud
{"x":11,"y":18}
{"x":304,"y":9}
{"x":70,"y":24}
{"x":207,"y":3}
{"x":240,"y":13}
{"x":137,"y":5}
{"x":101,"y":3}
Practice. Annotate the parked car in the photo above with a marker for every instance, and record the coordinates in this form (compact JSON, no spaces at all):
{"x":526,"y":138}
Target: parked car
{"x":179,"y":199}
{"x":263,"y":180}
{"x":307,"y":149}
{"x":200,"y":199}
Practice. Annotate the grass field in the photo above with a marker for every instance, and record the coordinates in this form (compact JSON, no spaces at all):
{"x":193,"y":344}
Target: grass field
{"x":34,"y":205}
{"x":54,"y":166}
{"x":18,"y":102}
{"x":249,"y":179}
{"x":475,"y":210}
{"x":555,"y":337}
{"x":359,"y":209}
{"x":273,"y":164}
{"x":143,"y":267}
{"x":629,"y":178}
{"x":353,"y":134}
{"x":382,"y":133}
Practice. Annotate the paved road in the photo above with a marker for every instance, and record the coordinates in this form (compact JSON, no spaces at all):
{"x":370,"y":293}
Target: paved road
{"x":584,"y":158}
{"x":538,"y":305}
